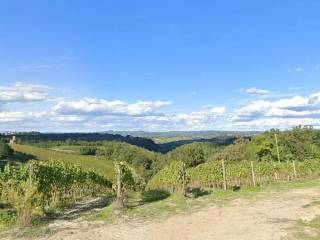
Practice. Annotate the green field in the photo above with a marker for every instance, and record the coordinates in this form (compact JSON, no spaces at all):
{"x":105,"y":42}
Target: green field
{"x":100,"y":164}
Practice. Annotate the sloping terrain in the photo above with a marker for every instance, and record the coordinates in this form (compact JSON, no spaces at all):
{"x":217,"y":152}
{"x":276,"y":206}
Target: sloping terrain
{"x":269,"y":218}
{"x":100,"y":164}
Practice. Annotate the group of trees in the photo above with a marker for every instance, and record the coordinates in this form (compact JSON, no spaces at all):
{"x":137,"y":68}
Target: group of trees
{"x":5,"y":150}
{"x":300,"y":143}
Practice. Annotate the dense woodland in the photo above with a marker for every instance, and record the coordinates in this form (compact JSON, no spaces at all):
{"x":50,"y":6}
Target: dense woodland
{"x":49,"y":178}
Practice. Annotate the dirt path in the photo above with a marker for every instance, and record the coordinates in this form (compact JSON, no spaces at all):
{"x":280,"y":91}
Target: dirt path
{"x":264,"y":219}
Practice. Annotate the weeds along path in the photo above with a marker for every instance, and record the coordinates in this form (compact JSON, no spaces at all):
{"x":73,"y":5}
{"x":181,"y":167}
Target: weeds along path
{"x":267,"y":218}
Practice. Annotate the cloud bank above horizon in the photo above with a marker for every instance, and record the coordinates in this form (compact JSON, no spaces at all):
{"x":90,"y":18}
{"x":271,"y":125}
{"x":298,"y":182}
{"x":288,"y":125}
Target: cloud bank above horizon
{"x":31,"y":106}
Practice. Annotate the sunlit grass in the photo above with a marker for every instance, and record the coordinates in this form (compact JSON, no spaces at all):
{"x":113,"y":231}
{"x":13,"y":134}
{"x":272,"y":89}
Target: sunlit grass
{"x":100,"y":164}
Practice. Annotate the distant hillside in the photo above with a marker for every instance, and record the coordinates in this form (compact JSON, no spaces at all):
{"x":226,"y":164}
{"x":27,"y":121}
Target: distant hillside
{"x":154,"y":141}
{"x":188,"y":134}
{"x":35,"y":137}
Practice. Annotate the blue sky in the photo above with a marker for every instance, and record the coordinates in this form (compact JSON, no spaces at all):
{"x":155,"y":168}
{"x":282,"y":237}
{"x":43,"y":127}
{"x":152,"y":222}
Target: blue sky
{"x":159,"y":65}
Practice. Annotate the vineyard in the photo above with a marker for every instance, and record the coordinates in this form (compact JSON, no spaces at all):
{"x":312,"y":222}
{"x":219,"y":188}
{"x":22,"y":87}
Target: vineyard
{"x":54,"y":178}
{"x":38,"y":188}
{"x":210,"y":175}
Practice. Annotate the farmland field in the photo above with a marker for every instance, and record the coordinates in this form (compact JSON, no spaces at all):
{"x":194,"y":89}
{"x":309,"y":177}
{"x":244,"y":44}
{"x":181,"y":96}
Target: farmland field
{"x":100,"y":164}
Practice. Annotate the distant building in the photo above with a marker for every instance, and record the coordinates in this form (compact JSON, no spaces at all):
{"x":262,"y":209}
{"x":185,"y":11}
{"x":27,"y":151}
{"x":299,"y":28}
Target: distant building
{"x":13,"y":140}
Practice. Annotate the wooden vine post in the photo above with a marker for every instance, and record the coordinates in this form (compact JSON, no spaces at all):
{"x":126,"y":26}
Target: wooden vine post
{"x":224,"y":175}
{"x":119,"y":186}
{"x":278,"y":152}
{"x":253,"y":175}
{"x":294,"y":169}
{"x":31,"y":172}
{"x":183,"y":178}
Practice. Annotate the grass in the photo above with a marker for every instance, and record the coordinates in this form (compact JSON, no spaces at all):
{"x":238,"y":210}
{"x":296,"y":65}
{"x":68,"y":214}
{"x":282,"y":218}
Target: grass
{"x":306,"y":230}
{"x":100,"y":164}
{"x":312,"y":204}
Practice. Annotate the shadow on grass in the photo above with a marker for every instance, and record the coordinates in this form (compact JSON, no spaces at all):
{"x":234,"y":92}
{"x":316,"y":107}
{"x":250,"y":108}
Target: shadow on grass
{"x":22,"y":157}
{"x":236,"y":188}
{"x":16,"y":159}
{"x":135,"y":200}
{"x":81,"y":208}
{"x":5,"y":205}
{"x":154,"y":196}
{"x":198,"y":192}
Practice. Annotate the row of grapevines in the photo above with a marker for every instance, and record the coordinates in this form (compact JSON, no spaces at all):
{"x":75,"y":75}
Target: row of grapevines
{"x":39,"y":187}
{"x":209,"y":175}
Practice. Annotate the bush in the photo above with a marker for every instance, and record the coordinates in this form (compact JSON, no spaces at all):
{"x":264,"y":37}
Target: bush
{"x":5,"y":150}
{"x":88,"y":150}
{"x":192,"y":154}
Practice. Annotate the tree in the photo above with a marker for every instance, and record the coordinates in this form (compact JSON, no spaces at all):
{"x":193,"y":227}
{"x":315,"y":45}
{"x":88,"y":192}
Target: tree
{"x":5,"y":150}
{"x":192,"y":154}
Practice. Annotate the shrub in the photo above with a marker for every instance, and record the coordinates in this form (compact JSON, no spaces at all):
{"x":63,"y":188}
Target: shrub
{"x":88,"y":150}
{"x":5,"y":150}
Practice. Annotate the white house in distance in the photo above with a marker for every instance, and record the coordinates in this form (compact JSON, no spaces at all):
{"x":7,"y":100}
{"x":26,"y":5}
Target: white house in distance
{"x":13,"y":140}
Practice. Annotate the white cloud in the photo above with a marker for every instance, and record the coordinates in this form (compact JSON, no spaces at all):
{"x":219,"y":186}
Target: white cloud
{"x":280,"y":123}
{"x":65,"y":119}
{"x":284,"y":112}
{"x":254,"y":91}
{"x":207,"y":118}
{"x":91,"y":114}
{"x":24,"y":92}
{"x":140,"y":115}
{"x":92,"y":106}
{"x":6,"y":116}
{"x":298,"y":69}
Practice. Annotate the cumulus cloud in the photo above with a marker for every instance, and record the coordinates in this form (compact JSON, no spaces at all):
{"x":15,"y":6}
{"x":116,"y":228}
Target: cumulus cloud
{"x":7,"y":117}
{"x":204,"y":119}
{"x":92,"y":106}
{"x":254,"y":91}
{"x":92,"y":114}
{"x":268,"y":123}
{"x":24,"y":92}
{"x":140,"y":115}
{"x":283,"y":112}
